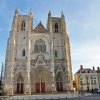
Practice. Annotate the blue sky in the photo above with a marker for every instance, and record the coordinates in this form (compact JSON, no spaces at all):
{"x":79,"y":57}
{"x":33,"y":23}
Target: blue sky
{"x":83,"y":25}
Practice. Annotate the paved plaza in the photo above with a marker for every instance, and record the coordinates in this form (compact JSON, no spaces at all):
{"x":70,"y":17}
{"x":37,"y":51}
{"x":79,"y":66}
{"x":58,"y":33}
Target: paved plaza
{"x":97,"y":97}
{"x":70,"y":96}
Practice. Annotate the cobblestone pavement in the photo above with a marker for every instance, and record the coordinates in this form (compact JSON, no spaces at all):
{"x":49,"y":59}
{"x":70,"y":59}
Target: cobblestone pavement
{"x":82,"y":97}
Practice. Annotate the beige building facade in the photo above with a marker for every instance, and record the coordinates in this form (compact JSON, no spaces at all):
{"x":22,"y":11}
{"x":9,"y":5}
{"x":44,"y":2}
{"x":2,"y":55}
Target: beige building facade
{"x":37,"y":60}
{"x":86,"y":79}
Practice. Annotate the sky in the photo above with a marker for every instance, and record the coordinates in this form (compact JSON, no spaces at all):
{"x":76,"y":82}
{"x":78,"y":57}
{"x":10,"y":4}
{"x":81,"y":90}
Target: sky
{"x":82,"y":19}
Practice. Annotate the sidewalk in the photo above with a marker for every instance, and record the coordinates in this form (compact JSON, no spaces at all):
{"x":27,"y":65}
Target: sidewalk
{"x":45,"y":96}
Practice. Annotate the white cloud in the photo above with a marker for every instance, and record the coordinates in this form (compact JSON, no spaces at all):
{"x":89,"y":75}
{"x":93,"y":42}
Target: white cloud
{"x":87,"y":54}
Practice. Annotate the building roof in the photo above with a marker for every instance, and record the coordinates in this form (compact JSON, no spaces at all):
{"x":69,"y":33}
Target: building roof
{"x":40,"y":28}
{"x":84,"y":70}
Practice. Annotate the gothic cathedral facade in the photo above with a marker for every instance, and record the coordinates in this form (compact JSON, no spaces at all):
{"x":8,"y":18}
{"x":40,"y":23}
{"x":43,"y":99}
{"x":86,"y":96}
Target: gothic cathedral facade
{"x":37,"y":60}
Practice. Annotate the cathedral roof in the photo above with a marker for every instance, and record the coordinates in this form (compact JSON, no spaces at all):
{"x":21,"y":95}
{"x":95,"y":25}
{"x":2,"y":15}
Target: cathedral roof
{"x":40,"y":28}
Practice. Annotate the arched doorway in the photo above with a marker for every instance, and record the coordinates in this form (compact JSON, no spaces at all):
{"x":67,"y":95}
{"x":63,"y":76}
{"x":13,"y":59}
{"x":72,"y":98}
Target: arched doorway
{"x":41,"y":80}
{"x":20,"y":85}
{"x":59,"y":82}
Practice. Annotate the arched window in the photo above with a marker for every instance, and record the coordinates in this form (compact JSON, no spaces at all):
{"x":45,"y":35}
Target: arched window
{"x":56,"y":53}
{"x":23,"y":53}
{"x":56,"y":28}
{"x":23,"y":26}
{"x":40,"y":46}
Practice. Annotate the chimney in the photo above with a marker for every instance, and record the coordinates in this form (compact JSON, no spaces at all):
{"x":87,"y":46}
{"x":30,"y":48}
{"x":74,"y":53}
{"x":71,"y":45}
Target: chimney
{"x":93,"y":68}
{"x":81,"y":66}
{"x":98,"y":68}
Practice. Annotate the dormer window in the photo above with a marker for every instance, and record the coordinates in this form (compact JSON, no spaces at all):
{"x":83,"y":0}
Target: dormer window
{"x":56,"y":28}
{"x":23,"y":26}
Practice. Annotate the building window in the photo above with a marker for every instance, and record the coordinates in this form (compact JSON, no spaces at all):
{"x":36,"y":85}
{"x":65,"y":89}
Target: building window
{"x":56,"y":53}
{"x":81,"y":82}
{"x":56,"y":28}
{"x":23,"y":53}
{"x":91,"y":82}
{"x":95,"y":82}
{"x":23,"y":26}
{"x":40,"y":46}
{"x":88,"y":71}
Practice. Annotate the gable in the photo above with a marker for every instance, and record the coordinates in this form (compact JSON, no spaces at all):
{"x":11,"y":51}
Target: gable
{"x":40,"y":60}
{"x":40,"y":28}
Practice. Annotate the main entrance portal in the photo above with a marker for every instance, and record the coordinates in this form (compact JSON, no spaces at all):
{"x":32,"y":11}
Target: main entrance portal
{"x":40,"y":87}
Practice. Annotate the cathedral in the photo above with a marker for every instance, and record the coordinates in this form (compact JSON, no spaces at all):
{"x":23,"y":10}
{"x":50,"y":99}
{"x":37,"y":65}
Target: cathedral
{"x":38,"y":59}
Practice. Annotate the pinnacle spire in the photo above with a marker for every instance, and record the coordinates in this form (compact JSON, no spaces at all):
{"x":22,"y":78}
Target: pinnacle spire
{"x":49,"y":14}
{"x":62,"y":15}
{"x":31,"y":12}
{"x":16,"y":11}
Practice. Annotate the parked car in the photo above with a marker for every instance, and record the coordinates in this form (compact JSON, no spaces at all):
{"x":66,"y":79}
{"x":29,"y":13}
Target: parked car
{"x":98,"y":91}
{"x":95,"y":90}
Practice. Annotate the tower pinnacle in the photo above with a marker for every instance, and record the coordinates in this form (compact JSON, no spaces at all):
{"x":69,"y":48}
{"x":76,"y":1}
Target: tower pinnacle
{"x":16,"y":11}
{"x":49,"y":14}
{"x":31,"y":12}
{"x":62,"y":15}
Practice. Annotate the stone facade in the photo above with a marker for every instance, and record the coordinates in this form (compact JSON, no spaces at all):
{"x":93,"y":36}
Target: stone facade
{"x":87,"y":79}
{"x":37,"y":60}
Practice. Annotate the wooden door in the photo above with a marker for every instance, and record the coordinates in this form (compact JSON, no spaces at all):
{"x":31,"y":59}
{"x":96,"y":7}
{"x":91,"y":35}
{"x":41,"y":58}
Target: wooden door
{"x":37,"y":87}
{"x":59,"y":86}
{"x":21,"y":88}
{"x":17,"y":87}
{"x":42,"y":87}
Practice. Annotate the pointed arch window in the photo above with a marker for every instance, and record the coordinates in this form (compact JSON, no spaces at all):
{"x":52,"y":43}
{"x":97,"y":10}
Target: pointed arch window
{"x":40,"y":46}
{"x":23,"y":26}
{"x":23,"y":53}
{"x":56,"y":27}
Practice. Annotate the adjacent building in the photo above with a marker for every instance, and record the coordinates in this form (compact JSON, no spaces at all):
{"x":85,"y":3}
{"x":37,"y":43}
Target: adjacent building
{"x":37,"y":59}
{"x":87,"y":79}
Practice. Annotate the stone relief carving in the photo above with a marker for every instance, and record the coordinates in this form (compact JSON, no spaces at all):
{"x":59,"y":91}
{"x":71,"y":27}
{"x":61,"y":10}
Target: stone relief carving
{"x":21,"y":66}
{"x":59,"y":67}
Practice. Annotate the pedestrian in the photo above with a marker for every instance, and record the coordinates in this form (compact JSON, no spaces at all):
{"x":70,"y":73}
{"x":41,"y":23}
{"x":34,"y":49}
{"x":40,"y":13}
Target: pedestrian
{"x":92,"y":91}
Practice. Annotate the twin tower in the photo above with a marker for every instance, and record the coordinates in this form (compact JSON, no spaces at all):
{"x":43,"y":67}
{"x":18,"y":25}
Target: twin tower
{"x":37,"y":60}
